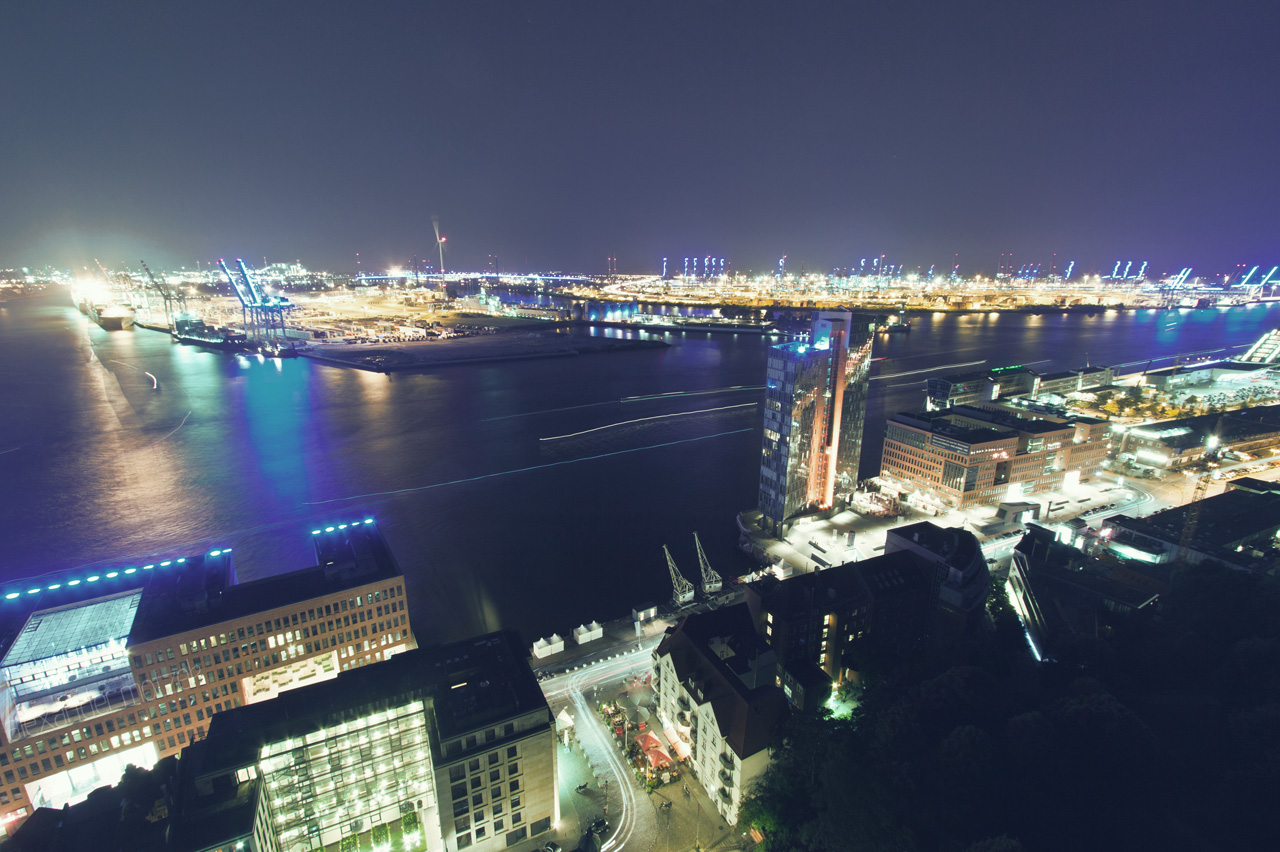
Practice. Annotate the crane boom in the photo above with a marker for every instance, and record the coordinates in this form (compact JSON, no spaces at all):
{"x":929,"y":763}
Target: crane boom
{"x":242,"y":293}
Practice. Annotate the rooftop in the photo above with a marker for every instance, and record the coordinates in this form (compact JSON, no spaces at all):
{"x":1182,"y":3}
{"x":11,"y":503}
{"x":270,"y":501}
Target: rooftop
{"x":1225,"y":520}
{"x":749,"y":718}
{"x":207,"y":593}
{"x":49,"y":633}
{"x":470,"y":684}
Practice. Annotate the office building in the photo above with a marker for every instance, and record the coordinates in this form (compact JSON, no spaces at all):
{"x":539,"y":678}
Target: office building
{"x":105,"y":668}
{"x":448,"y":749}
{"x":1012,"y":382}
{"x":968,"y":455}
{"x":451,"y":748}
{"x":815,"y":405}
{"x":1173,"y":444}
{"x":715,"y":681}
{"x":1240,"y":528}
{"x":1062,"y":595}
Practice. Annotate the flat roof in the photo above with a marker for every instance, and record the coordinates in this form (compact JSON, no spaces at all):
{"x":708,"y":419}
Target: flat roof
{"x":1226,"y":518}
{"x":937,"y":423}
{"x":469,"y":684}
{"x":49,"y":633}
{"x":352,"y":556}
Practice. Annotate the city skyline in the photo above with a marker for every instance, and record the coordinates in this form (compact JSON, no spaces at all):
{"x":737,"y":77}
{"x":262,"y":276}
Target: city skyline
{"x":557,"y":138}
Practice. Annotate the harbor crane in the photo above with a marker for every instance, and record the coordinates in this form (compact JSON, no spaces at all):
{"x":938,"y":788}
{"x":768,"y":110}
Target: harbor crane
{"x":263,"y":313}
{"x":173,"y":297}
{"x":683,"y":588}
{"x":711,"y":581}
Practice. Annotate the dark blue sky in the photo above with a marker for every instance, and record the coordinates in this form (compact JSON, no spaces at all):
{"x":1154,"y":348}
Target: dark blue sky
{"x":556,"y":134}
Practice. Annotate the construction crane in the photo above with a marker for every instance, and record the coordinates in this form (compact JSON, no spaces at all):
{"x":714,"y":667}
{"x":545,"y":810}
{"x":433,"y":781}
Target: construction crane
{"x":711,"y":581}
{"x":1192,"y":519}
{"x":683,"y":589}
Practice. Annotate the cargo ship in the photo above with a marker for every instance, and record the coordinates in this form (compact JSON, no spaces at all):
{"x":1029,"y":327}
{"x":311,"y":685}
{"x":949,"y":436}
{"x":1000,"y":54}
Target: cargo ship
{"x":111,"y":317}
{"x":199,"y":333}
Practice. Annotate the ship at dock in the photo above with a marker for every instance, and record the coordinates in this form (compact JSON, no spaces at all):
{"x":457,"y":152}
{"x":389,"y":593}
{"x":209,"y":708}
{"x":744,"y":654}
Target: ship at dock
{"x":110,"y":317}
{"x":894,"y":323}
{"x":197,"y":332}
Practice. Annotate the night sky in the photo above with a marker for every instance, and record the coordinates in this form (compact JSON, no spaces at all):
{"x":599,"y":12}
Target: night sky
{"x":557,"y":134}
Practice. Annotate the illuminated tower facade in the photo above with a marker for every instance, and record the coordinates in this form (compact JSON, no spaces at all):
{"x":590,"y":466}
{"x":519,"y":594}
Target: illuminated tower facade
{"x":815,"y":405}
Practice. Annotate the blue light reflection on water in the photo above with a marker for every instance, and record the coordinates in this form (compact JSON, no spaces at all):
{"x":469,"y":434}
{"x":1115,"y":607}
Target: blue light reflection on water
{"x":105,"y":470}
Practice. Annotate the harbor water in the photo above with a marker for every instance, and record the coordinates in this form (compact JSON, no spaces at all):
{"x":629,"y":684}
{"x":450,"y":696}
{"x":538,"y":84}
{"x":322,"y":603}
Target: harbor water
{"x":528,"y":494}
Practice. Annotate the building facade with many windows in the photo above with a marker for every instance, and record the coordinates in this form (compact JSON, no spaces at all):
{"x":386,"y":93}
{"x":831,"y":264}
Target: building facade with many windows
{"x":123,"y":666}
{"x":971,"y":455}
{"x":718,"y":701}
{"x":815,"y":405}
{"x":448,"y":749}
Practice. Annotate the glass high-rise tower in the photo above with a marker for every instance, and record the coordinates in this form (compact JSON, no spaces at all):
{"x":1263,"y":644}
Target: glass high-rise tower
{"x":815,"y":404}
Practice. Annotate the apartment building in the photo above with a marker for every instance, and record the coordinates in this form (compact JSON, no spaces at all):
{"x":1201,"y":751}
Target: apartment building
{"x":715,"y":680}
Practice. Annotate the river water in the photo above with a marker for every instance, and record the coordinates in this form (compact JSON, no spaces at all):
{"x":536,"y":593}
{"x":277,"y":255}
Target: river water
{"x":122,"y":447}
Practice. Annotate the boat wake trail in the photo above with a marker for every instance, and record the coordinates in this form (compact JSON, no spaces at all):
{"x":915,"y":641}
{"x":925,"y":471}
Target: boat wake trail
{"x":642,"y":419}
{"x":674,"y":394}
{"x":549,"y":411}
{"x":927,"y":370}
{"x":648,"y":397}
{"x":517,"y":470}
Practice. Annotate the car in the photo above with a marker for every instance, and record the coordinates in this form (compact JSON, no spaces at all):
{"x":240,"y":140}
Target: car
{"x":599,"y":825}
{"x":551,"y":847}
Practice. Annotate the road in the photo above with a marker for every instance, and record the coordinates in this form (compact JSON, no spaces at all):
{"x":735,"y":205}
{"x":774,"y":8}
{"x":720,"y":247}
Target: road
{"x":633,"y":820}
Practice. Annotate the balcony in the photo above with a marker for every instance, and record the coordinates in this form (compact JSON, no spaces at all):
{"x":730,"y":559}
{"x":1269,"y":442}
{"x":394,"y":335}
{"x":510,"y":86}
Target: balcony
{"x":726,"y":795}
{"x":726,"y":778}
{"x":683,"y":703}
{"x":727,"y":762}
